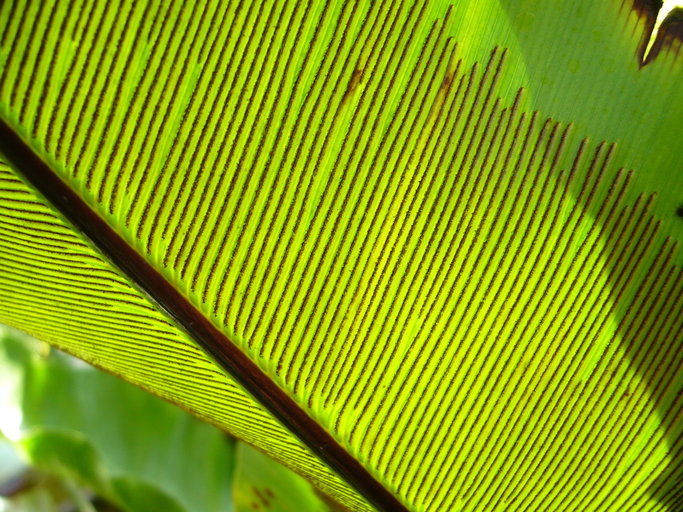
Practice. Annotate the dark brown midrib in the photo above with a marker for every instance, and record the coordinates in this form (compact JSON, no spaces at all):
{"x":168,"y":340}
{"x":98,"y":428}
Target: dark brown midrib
{"x":191,"y":320}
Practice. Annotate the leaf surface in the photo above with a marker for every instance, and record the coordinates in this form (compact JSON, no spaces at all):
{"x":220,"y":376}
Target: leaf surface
{"x":438,"y":243}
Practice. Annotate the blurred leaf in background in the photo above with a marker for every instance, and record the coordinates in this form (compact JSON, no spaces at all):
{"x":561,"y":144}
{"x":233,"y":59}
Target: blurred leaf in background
{"x":75,"y":438}
{"x":261,"y":484}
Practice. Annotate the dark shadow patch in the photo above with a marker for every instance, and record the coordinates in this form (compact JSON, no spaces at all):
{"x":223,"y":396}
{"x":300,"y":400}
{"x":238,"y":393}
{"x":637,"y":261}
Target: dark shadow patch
{"x":650,"y":329}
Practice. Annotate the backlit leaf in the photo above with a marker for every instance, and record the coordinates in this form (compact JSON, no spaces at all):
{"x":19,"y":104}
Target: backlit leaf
{"x":425,"y":254}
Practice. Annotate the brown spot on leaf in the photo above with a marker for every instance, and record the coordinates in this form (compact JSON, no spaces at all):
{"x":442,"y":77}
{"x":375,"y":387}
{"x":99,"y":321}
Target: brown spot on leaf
{"x":447,"y":82}
{"x":262,"y":496}
{"x":354,"y":81}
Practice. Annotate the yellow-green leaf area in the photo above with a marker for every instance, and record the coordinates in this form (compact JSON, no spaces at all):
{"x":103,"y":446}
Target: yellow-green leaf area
{"x":448,"y":232}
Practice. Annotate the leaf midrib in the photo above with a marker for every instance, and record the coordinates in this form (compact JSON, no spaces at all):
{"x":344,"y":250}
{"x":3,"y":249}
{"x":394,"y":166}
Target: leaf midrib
{"x":187,"y":317}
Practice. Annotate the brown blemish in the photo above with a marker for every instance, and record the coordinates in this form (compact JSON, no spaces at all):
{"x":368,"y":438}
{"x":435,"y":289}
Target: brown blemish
{"x":263,"y":498}
{"x":354,"y":81}
{"x":447,"y":82}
